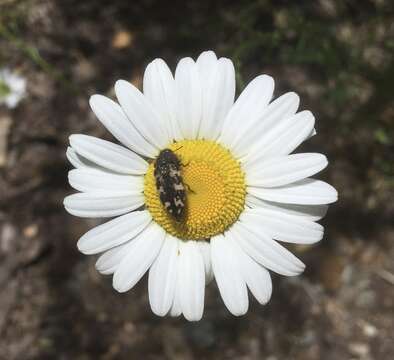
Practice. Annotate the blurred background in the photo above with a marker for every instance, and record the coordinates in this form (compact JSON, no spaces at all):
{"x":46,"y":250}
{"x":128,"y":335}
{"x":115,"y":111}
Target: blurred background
{"x":337,"y":55}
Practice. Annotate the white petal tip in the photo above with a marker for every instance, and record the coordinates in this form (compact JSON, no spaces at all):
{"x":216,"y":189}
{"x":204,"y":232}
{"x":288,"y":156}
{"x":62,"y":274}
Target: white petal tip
{"x":299,"y":271}
{"x":121,"y":84}
{"x":192,"y":319}
{"x":333,"y":195}
{"x":293,"y":94}
{"x":105,"y":272}
{"x":119,"y":289}
{"x":239,"y":312}
{"x":82,"y":248}
{"x":207,"y":54}
{"x":71,"y":212}
{"x":159,"y":312}
{"x":266,"y":299}
{"x":309,"y":114}
{"x":269,"y":80}
{"x":71,"y":138}
{"x":155,"y":62}
{"x":174,"y":314}
{"x":96,"y":100}
{"x":94,"y":97}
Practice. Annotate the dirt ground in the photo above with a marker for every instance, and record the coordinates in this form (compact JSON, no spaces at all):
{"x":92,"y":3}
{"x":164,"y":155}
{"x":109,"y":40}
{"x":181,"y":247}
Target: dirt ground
{"x":337,"y":55}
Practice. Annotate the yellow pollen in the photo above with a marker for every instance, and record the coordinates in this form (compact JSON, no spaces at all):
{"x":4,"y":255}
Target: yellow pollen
{"x":215,"y":191}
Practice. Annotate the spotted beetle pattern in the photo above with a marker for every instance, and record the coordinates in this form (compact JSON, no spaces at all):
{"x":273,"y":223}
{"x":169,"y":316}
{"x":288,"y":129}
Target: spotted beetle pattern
{"x":169,"y":184}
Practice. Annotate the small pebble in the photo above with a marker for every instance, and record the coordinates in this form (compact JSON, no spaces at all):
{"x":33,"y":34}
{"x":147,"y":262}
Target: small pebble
{"x":30,"y":231}
{"x":359,"y":349}
{"x":370,"y":330}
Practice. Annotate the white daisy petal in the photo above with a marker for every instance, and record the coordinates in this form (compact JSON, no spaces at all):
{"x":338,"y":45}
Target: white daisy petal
{"x":218,"y":91}
{"x":191,"y":280}
{"x":256,"y":276}
{"x":176,"y":308}
{"x":226,"y":268}
{"x":108,"y":155}
{"x":189,"y":106}
{"x":304,"y":192}
{"x":248,"y":107}
{"x":142,"y":115}
{"x":283,"y":170}
{"x":310,"y":212}
{"x":206,"y":61}
{"x":208,"y":68}
{"x":102,"y":204}
{"x":283,"y":138}
{"x":92,"y":180}
{"x":295,"y":134}
{"x":73,"y":158}
{"x":108,"y":262}
{"x":162,"y":277}
{"x":143,"y":252}
{"x":159,"y":88}
{"x":114,"y":232}
{"x":78,"y":161}
{"x":266,"y":251}
{"x":284,"y":227}
{"x":114,"y":119}
{"x":277,"y":111}
{"x":206,"y":254}
{"x":313,"y":133}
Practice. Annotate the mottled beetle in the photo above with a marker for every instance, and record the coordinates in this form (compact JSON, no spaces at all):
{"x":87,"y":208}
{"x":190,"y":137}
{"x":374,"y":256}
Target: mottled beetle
{"x":169,"y":183}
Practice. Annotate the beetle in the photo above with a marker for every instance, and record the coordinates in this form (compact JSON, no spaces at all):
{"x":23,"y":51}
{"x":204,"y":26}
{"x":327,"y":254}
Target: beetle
{"x":169,"y":184}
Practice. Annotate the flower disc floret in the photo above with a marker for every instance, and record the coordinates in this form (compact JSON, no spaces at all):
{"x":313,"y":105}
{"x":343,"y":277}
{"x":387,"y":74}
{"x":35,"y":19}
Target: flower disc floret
{"x":215,"y":187}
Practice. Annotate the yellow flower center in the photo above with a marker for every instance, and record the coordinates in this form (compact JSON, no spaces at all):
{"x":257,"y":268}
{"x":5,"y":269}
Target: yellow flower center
{"x":215,"y":190}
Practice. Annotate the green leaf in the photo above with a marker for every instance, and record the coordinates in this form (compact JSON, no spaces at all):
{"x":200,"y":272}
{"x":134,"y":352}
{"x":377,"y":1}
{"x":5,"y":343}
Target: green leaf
{"x":4,"y":89}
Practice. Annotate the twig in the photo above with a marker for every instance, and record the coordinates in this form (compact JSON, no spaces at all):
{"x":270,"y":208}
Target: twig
{"x":386,"y":275}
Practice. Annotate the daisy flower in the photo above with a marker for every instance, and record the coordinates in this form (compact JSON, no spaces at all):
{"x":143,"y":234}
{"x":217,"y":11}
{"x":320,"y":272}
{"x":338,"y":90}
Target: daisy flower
{"x":12,"y":88}
{"x":245,"y":193}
